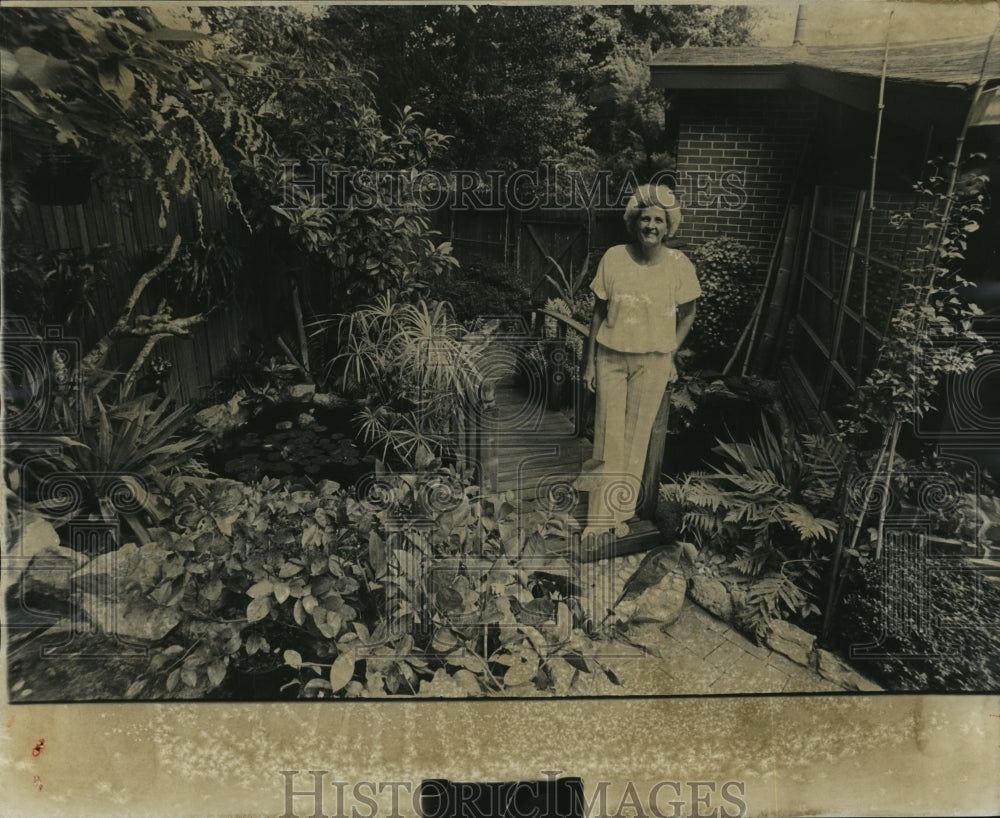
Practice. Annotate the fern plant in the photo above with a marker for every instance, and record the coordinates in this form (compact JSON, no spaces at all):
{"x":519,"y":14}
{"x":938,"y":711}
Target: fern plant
{"x":761,"y":508}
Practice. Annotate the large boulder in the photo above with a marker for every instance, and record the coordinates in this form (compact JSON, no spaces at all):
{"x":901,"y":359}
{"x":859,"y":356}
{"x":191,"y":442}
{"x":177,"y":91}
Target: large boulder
{"x":301,"y":392}
{"x":790,"y":641}
{"x":713,"y":596}
{"x":330,"y":400}
{"x":50,"y":572}
{"x":655,"y":591}
{"x":37,"y":558}
{"x":131,"y":618}
{"x":663,"y":602}
{"x":223,"y":417}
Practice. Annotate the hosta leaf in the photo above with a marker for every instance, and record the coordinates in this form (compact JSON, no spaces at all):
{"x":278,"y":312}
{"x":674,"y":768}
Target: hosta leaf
{"x":319,"y":619}
{"x":335,"y":622}
{"x":211,"y":591}
{"x":258,"y":609}
{"x":342,"y":671}
{"x":260,"y":589}
{"x":444,"y":640}
{"x":564,"y":620}
{"x":523,"y":671}
{"x":135,"y":688}
{"x":289,"y":569}
{"x":377,"y":553}
{"x":216,"y":672}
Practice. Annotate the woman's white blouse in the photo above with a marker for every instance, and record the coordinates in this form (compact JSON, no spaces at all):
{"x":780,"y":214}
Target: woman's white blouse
{"x":642,"y":299}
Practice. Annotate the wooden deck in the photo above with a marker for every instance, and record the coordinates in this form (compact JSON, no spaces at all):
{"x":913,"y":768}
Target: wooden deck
{"x":536,"y":454}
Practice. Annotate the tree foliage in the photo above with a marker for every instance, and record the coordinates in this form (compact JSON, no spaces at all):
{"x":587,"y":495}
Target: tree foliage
{"x":226,"y":100}
{"x":519,"y":85}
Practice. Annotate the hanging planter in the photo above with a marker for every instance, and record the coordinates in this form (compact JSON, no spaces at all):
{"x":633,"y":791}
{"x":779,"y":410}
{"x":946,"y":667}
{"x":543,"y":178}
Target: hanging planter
{"x":62,"y":179}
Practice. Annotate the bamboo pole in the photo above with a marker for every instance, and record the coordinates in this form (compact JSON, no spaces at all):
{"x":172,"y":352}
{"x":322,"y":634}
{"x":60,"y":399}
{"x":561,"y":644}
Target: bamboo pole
{"x":838,"y":554}
{"x":891,"y":436}
{"x":772,"y":264}
{"x":942,"y":234}
{"x":866,"y":260}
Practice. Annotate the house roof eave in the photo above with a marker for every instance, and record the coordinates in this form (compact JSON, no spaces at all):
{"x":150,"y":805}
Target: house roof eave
{"x":724,"y":77}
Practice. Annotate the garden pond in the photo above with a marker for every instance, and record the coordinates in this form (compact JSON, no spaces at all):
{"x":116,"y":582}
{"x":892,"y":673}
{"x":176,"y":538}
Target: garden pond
{"x":305,"y":444}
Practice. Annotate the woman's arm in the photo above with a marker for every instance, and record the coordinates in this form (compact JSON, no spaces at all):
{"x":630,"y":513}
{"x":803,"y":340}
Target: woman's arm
{"x":685,"y":318}
{"x":589,"y":370}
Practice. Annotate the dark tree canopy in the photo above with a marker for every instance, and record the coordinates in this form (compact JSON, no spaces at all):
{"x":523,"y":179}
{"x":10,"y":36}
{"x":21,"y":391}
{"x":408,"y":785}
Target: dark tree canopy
{"x":518,"y":85}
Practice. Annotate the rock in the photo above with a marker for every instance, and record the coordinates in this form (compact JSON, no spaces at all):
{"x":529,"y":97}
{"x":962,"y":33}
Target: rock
{"x":661,"y":602}
{"x":222,"y":417}
{"x":305,"y":420}
{"x":329,"y":400}
{"x":831,"y":668}
{"x":281,"y":426}
{"x":790,"y":641}
{"x":131,"y":618}
{"x":38,"y":537}
{"x":713,"y":596}
{"x":51,"y":570}
{"x":301,"y":392}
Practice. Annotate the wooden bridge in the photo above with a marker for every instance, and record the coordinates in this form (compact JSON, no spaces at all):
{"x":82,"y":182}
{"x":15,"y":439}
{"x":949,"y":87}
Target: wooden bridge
{"x":528,"y":435}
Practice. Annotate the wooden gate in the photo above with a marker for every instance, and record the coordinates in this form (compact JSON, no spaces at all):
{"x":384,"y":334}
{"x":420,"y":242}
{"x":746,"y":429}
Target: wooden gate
{"x":539,"y":239}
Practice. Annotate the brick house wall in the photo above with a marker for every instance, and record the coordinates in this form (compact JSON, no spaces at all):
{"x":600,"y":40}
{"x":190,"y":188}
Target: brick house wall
{"x":737,"y":156}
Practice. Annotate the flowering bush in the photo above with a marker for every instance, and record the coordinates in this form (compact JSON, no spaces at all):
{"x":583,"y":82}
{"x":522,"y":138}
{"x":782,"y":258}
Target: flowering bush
{"x":729,"y":281}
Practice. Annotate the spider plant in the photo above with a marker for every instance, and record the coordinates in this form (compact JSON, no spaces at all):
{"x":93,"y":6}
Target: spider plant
{"x":414,"y":364}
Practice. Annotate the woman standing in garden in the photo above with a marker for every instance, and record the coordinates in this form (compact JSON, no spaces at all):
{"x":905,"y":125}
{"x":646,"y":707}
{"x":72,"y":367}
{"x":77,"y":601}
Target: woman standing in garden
{"x":645,"y":293}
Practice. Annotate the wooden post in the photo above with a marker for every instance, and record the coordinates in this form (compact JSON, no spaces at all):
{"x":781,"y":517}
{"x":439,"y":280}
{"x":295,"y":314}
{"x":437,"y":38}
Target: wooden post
{"x":765,"y":351}
{"x":654,"y":459}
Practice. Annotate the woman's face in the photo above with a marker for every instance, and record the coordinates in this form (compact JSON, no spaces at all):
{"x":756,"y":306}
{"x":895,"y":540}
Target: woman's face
{"x":651,"y":226}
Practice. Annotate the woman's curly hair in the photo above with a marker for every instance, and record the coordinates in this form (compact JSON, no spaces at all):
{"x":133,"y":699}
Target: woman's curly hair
{"x":652,"y":196}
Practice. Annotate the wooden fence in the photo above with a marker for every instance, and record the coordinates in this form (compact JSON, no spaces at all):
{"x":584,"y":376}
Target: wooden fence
{"x":133,"y":232}
{"x":525,"y":238}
